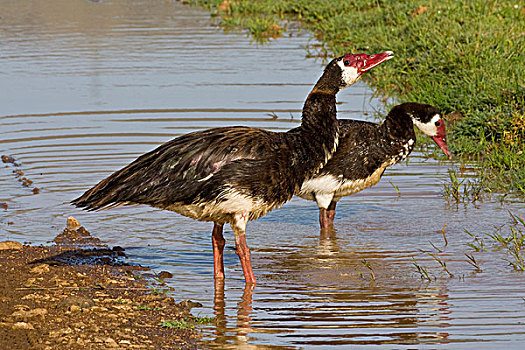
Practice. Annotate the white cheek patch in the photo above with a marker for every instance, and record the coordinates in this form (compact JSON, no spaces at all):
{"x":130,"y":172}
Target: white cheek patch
{"x":349,"y":74}
{"x":429,"y":128}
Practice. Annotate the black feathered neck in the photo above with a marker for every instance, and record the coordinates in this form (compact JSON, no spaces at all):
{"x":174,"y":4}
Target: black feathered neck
{"x":332,"y":79}
{"x":398,"y":125}
{"x":319,"y":108}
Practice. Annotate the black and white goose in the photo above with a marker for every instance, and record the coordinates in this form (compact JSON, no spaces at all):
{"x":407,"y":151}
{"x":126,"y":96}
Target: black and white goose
{"x":366,"y":149}
{"x":235,"y":174}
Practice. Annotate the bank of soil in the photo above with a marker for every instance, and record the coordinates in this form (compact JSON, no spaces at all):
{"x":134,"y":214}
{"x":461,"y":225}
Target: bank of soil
{"x":77,"y":293}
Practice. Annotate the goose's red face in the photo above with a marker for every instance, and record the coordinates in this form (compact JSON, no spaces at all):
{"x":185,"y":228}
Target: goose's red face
{"x":363,"y":62}
{"x":441,"y":137}
{"x":353,"y":65}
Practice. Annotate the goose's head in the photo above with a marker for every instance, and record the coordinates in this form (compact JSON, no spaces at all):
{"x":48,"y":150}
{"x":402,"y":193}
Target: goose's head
{"x":354,"y":65}
{"x":429,"y":120}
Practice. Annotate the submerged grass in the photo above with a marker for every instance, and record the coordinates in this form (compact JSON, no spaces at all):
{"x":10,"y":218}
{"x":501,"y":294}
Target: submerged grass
{"x":463,"y":190}
{"x":465,"y":57}
{"x":513,"y":243}
{"x":422,"y":270}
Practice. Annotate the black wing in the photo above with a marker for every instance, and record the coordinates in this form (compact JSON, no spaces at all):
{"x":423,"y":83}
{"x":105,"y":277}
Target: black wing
{"x":178,"y":170}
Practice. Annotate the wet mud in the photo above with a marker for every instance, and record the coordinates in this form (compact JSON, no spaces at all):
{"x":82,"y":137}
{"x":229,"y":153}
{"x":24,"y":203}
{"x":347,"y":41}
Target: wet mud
{"x":79,"y":294}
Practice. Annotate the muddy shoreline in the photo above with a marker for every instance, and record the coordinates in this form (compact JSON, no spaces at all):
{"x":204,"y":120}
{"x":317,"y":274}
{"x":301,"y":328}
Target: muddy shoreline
{"x":77,"y":293}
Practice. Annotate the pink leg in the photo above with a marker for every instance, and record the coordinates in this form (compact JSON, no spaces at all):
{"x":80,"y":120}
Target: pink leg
{"x":327,"y":216}
{"x":239,"y":229}
{"x":330,"y":212}
{"x":218,"y":247}
{"x":326,"y":221}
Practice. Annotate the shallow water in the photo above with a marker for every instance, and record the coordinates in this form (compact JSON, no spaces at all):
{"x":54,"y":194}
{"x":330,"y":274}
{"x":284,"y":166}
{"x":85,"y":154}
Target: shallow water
{"x":88,"y":86}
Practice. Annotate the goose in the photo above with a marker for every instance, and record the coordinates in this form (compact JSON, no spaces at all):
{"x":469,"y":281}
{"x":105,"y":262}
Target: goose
{"x":366,"y":149}
{"x":235,"y":174}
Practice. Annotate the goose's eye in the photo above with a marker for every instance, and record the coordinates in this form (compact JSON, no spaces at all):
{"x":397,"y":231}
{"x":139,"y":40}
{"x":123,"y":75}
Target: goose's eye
{"x":437,"y":123}
{"x":346,"y":62}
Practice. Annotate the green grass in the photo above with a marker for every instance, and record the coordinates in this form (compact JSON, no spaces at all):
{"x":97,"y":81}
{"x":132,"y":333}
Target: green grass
{"x":176,"y":325}
{"x":464,"y":190}
{"x":395,"y":188}
{"x":472,"y":261}
{"x":187,"y":322}
{"x":422,"y":270}
{"x":465,"y":57}
{"x":513,"y":243}
{"x":367,"y":264}
{"x":203,"y":319}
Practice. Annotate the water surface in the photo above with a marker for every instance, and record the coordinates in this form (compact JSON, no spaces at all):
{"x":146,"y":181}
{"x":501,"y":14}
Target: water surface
{"x":88,"y":86}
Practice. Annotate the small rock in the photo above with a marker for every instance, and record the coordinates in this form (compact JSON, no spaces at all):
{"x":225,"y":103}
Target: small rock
{"x":98,"y":340}
{"x":54,"y":334}
{"x":81,"y":342}
{"x":110,"y":342}
{"x":23,"y":325}
{"x":165,"y":274}
{"x":72,"y":223}
{"x":21,"y":307}
{"x":152,"y":297}
{"x":75,"y":308}
{"x":99,"y":308}
{"x":78,"y":301}
{"x":8,"y":159}
{"x":41,"y":268}
{"x":10,"y":245}
{"x":36,"y":190}
{"x":22,"y":314}
{"x":80,"y":325}
{"x":187,"y":305}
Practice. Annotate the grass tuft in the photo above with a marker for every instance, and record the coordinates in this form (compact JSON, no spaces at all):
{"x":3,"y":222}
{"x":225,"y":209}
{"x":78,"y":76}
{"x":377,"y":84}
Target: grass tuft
{"x":203,"y":319}
{"x":472,"y":261}
{"x":395,"y":188}
{"x":464,"y":190}
{"x":367,"y":264}
{"x":422,"y":271}
{"x":513,"y":243}
{"x":182,"y":324}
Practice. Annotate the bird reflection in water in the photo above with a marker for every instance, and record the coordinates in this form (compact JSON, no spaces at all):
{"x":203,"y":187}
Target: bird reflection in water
{"x":244,"y":312}
{"x":327,"y":233}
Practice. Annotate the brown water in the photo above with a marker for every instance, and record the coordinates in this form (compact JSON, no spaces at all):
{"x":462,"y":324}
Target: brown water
{"x":87,"y":86}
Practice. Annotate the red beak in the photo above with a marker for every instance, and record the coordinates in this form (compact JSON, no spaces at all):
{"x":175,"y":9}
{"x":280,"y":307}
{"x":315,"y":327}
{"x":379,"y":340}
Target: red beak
{"x":441,"y":139}
{"x":371,"y":61}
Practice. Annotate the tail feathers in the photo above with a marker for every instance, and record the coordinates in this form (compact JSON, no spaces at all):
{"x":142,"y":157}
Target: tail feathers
{"x":117,"y":189}
{"x":99,"y":197}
